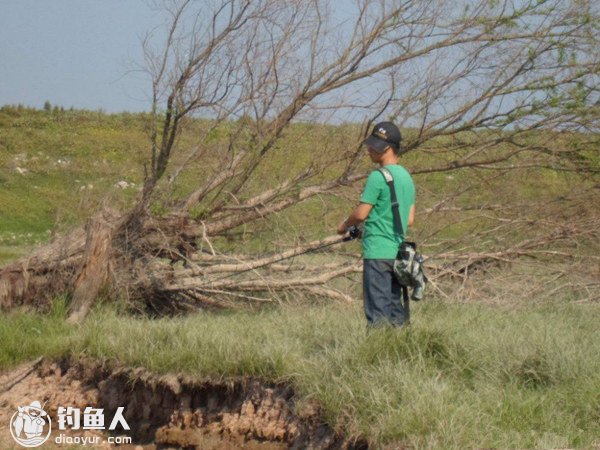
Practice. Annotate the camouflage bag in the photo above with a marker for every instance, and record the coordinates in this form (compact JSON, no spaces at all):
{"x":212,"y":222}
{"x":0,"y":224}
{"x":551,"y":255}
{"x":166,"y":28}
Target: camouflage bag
{"x":408,"y":269}
{"x":408,"y":266}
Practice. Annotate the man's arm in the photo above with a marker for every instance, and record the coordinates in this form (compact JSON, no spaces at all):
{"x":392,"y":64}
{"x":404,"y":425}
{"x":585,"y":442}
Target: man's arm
{"x":360,"y":213}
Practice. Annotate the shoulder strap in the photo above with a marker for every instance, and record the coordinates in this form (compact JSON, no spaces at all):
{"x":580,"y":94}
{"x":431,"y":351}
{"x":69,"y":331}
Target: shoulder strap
{"x":389,"y":179}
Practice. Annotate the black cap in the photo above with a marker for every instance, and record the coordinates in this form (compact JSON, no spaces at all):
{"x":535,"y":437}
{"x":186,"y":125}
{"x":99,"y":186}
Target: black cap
{"x":384,"y":134}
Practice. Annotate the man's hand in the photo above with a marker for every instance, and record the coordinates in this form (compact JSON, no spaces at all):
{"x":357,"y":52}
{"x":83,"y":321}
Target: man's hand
{"x":360,"y":213}
{"x":342,"y":228}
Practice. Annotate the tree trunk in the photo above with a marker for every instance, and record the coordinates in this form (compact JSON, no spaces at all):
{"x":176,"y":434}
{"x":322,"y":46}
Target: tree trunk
{"x":81,"y":261}
{"x":96,"y":266}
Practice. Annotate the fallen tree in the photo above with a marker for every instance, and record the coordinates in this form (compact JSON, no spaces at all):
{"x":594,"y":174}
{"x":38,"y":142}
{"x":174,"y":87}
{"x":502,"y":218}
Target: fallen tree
{"x":495,"y":71}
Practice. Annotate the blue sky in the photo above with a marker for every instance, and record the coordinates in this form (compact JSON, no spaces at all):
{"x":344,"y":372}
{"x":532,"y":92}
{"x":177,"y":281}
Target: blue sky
{"x":82,"y":53}
{"x":76,"y":53}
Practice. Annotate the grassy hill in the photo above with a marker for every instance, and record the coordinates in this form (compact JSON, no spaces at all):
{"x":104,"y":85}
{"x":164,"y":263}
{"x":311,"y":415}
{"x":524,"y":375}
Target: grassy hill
{"x":57,"y":167}
{"x":503,"y":358}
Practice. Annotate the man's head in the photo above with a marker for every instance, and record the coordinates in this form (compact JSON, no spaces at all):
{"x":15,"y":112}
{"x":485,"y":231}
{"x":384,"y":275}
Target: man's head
{"x":385,"y":135}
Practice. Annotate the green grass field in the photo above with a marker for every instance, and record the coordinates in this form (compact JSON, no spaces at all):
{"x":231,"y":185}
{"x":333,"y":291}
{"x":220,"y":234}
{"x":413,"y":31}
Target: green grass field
{"x":460,"y":376}
{"x":517,"y":368}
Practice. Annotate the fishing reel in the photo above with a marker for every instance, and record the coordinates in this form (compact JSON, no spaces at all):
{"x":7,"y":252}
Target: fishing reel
{"x":353,"y":233}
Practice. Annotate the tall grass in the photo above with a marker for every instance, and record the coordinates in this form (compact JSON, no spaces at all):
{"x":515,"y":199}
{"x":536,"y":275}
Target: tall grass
{"x":25,"y":335}
{"x":458,"y":376}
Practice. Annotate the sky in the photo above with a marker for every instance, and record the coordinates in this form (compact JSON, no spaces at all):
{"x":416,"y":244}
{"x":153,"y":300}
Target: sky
{"x":75,"y":53}
{"x":86,"y":54}
{"x":83,"y":54}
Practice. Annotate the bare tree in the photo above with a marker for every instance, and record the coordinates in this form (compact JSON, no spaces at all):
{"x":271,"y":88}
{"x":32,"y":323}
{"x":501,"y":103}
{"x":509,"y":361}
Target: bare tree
{"x":470,"y":82}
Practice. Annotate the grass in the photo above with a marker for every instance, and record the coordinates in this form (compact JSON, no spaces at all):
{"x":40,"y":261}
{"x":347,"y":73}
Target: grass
{"x":25,"y":336}
{"x":68,"y":164}
{"x":462,"y":375}
{"x":58,"y":168}
{"x":459,"y":376}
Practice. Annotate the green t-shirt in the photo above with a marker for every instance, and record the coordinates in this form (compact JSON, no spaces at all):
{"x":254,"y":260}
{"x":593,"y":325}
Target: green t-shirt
{"x":380,"y":239}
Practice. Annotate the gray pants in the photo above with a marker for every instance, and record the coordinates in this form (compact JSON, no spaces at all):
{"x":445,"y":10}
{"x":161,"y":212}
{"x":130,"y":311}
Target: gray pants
{"x":382,"y":294}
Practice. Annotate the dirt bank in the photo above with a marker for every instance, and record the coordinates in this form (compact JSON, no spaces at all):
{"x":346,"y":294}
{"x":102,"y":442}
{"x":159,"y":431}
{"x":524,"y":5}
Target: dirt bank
{"x":168,"y":411}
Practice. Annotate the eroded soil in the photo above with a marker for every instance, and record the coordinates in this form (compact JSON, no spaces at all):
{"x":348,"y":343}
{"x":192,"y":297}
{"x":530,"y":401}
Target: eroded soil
{"x":167,"y":411}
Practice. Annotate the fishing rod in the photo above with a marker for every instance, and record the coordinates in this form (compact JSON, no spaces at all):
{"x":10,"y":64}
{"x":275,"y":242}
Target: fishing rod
{"x":353,"y":233}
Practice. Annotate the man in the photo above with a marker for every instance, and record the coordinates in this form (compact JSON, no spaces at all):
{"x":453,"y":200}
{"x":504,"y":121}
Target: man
{"x":380,"y":240}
